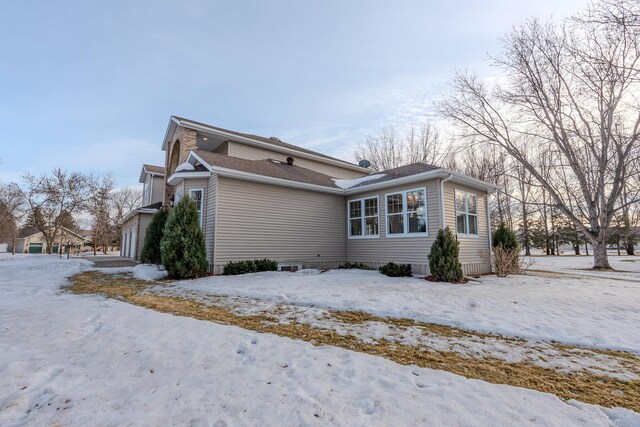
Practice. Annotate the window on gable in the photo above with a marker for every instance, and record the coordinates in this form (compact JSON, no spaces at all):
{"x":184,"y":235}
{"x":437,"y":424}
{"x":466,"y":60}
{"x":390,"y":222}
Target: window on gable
{"x":146,"y":196}
{"x":363,"y":218}
{"x":466,"y":205}
{"x":406,"y":213}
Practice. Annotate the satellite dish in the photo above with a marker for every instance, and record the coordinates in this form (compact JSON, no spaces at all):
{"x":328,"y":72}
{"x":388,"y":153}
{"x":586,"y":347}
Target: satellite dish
{"x":364,"y":163}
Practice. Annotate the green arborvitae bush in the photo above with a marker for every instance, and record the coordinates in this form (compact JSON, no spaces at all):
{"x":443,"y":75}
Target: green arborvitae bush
{"x":355,"y":265}
{"x":392,"y":269}
{"x":443,"y":261}
{"x":151,"y":253}
{"x":505,"y":238}
{"x":184,"y":255}
{"x":249,"y":266}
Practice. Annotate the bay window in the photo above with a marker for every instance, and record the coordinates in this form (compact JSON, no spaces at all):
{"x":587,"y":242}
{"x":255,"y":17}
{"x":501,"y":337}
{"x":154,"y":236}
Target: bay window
{"x":407,"y":213}
{"x":466,"y":205}
{"x":363,"y":218}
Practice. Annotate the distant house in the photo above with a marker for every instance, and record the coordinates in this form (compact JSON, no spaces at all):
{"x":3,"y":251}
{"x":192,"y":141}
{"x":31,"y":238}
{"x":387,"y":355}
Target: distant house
{"x":135,"y":223}
{"x":260,"y":197}
{"x":31,"y":240}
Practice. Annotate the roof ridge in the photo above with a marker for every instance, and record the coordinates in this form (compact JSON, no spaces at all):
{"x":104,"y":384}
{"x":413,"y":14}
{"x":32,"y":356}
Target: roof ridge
{"x":276,"y":142}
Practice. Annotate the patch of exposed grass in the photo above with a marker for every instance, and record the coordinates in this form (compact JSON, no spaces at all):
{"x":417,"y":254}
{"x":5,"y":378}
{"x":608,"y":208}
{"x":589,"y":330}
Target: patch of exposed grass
{"x":583,"y":386}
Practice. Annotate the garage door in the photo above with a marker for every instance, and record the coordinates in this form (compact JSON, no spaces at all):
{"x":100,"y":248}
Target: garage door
{"x":35,"y":248}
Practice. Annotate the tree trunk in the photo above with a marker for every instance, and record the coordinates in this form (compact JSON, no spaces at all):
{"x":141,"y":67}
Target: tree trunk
{"x":586,"y":248}
{"x":525,"y":229}
{"x":600,"y":257}
{"x":629,"y":247}
{"x":576,"y":248}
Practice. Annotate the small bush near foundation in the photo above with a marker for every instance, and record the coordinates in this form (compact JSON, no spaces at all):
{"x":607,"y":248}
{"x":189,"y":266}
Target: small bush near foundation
{"x":355,"y":265}
{"x":444,"y":263}
{"x":506,"y":251}
{"x":266,"y":265}
{"x":396,"y":270}
{"x":249,"y":266}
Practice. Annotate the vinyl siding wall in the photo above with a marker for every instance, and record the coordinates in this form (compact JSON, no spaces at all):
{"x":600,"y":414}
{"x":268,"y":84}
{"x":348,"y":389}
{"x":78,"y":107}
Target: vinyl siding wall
{"x":254,"y":153}
{"x":407,"y":250}
{"x":141,"y":222}
{"x":474,"y":251}
{"x":210,"y":217}
{"x":256,"y":220}
{"x":157,"y":194}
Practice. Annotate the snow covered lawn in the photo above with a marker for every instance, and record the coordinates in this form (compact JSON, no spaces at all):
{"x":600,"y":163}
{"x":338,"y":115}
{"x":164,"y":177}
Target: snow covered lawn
{"x":590,"y":311}
{"x":87,"y":360}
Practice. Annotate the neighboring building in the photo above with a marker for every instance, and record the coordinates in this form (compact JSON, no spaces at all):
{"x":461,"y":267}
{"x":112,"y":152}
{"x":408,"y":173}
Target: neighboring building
{"x":135,"y":223}
{"x":31,"y":240}
{"x":263,"y":198}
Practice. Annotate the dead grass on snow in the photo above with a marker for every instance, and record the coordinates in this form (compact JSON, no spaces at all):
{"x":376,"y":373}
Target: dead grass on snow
{"x":589,"y":388}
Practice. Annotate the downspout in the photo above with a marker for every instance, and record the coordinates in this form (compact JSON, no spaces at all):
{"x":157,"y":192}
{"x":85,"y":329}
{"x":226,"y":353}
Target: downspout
{"x":489,"y":231}
{"x":442,"y":210}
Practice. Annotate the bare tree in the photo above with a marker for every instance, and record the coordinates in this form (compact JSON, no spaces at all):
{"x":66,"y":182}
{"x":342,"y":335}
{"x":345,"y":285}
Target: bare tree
{"x":384,"y":151}
{"x":389,"y":150}
{"x":98,"y":206}
{"x":122,"y":200}
{"x":52,"y":195}
{"x":570,"y":91}
{"x":11,"y":206}
{"x":425,"y":145}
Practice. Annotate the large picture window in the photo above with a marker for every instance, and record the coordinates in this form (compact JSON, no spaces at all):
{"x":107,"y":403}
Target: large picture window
{"x":196,"y":197}
{"x":407,"y":213}
{"x":466,"y":213}
{"x":363,"y":218}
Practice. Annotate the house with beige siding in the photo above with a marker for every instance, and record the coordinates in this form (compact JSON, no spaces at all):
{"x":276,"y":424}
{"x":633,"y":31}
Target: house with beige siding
{"x":134,"y":224}
{"x":31,"y":240}
{"x":260,"y":197}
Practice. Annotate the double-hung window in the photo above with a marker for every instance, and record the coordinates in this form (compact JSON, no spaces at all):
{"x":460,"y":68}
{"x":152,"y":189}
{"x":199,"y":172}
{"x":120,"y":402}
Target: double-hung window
{"x":363,"y":218}
{"x":196,"y":197}
{"x":407,"y":213}
{"x":466,"y":213}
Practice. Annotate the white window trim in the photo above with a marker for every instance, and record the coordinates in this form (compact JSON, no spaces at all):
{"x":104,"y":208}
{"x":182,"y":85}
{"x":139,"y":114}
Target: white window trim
{"x":405,"y":223}
{"x":466,"y":216}
{"x":362,"y":218}
{"x":191,"y":190}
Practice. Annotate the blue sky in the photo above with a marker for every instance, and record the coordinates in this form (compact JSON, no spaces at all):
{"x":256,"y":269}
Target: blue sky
{"x":90,"y":85}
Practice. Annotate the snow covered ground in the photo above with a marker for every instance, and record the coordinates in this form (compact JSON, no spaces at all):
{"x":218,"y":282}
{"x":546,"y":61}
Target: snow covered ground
{"x":590,"y":311}
{"x":87,"y":360}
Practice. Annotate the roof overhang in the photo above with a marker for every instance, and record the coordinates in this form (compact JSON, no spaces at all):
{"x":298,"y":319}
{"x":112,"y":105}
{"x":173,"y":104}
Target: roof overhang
{"x":174,"y":122}
{"x":178,"y":177}
{"x":134,"y":212}
{"x":232,"y":173}
{"x":144,"y":172}
{"x":433,"y":174}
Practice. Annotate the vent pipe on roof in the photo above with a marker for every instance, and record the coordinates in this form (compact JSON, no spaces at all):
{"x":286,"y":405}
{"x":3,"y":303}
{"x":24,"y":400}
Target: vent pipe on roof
{"x":290,"y":161}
